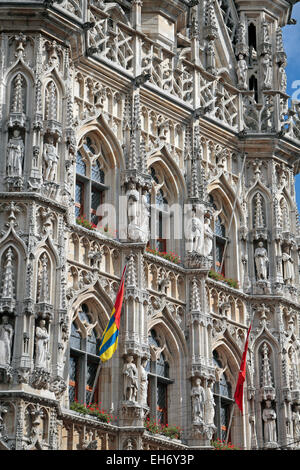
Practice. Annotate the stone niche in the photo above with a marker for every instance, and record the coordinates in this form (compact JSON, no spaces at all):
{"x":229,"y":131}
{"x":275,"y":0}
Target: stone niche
{"x":159,"y":19}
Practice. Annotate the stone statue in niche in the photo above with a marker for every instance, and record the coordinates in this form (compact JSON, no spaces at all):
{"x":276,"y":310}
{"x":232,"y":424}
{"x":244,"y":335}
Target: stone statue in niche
{"x":196,"y":233}
{"x":296,"y":425}
{"x":282,"y":78}
{"x":15,"y":154}
{"x":208,"y":237}
{"x":133,"y":198}
{"x":288,"y":266}
{"x":51,"y":159}
{"x":143,"y":382}
{"x":241,"y":71}
{"x":144,"y":216}
{"x":41,"y":345}
{"x":130,"y":376}
{"x":6,"y":336}
{"x":209,"y":404}
{"x":266,"y":63}
{"x":198,"y":401}
{"x":261,"y":261}
{"x":269,"y":419}
{"x":138,"y":215}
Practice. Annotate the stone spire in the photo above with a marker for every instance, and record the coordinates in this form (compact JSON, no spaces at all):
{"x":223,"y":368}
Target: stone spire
{"x":195,"y":299}
{"x":210,"y":21}
{"x":131,"y":271}
{"x":258,"y":212}
{"x":267,"y":382}
{"x":51,"y":102}
{"x":8,"y":285}
{"x":17,"y":101}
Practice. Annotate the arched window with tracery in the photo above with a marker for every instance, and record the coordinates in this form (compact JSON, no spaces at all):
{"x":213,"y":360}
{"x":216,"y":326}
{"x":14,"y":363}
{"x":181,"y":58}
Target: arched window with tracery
{"x":91,"y":184}
{"x":219,"y":243}
{"x":223,"y":398}
{"x":158,"y":381}
{"x":83,"y":360}
{"x":160,"y":214}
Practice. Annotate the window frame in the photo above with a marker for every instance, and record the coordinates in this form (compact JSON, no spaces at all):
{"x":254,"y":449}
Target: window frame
{"x":83,"y":358}
{"x":222,"y":402}
{"x":155,"y":381}
{"x":88,"y":182}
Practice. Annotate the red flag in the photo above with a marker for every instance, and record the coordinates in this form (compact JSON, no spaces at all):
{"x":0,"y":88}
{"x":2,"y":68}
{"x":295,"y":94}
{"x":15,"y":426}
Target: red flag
{"x":239,"y":391}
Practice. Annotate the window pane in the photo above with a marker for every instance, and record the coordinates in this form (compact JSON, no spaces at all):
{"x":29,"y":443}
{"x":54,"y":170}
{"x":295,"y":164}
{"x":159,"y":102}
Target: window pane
{"x":96,"y":199}
{"x":77,"y":211}
{"x":153,"y":174}
{"x":75,"y":339}
{"x":73,"y":373}
{"x":162,"y":367}
{"x":95,"y":203}
{"x":80,"y":164}
{"x":219,"y":228}
{"x":97,"y":173}
{"x":83,"y":313}
{"x":224,"y":420}
{"x":92,"y":343}
{"x":161,"y":245}
{"x":219,"y":252}
{"x":161,"y":201}
{"x":78,"y":192}
{"x":88,"y":145}
{"x":91,"y":374}
{"x":162,"y":403}
{"x":78,"y":199}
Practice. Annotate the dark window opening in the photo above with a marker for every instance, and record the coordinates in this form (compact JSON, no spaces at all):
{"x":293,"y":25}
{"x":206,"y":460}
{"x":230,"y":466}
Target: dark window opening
{"x":223,"y":402}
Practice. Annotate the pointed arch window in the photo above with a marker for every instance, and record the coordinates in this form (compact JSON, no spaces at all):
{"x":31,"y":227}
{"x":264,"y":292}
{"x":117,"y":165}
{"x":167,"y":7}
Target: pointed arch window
{"x":158,"y":382}
{"x":223,"y":400}
{"x":90,"y":179}
{"x":160,"y":214}
{"x":219,"y":241}
{"x":83,"y":360}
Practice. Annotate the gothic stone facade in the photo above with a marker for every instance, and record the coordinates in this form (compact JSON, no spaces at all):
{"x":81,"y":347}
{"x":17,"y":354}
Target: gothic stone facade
{"x":157,"y":134}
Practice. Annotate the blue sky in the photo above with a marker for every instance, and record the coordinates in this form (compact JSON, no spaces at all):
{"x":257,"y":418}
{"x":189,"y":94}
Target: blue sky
{"x":291,"y":37}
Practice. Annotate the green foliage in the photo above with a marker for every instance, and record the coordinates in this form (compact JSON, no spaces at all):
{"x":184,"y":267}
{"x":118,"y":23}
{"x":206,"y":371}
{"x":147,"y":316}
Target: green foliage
{"x":219,"y":277}
{"x":169,"y":255}
{"x":85,"y":223}
{"x":91,"y":410}
{"x":156,"y":428}
{"x":221,"y":445}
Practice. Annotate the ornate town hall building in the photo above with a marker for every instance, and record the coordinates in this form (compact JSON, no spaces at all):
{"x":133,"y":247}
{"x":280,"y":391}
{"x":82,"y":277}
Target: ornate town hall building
{"x":156,"y":134}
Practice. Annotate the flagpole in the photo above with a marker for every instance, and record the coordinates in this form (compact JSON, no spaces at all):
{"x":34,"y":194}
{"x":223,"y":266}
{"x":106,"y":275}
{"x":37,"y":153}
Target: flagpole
{"x":99,"y":365}
{"x":230,"y":421}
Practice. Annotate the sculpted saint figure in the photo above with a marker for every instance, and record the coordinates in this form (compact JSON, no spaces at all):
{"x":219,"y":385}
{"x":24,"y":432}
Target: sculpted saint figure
{"x":144,"y":218}
{"x":197,"y":233}
{"x":267,"y":71}
{"x":130,"y":380}
{"x":261,"y":261}
{"x":296,"y":425}
{"x":15,"y":154}
{"x":209,"y":404}
{"x":241,"y":71}
{"x":143,"y":382}
{"x":269,"y":418}
{"x":208,"y":237}
{"x":41,"y":345}
{"x":51,"y":159}
{"x":6,"y":335}
{"x":198,"y":400}
{"x":288,"y":268}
